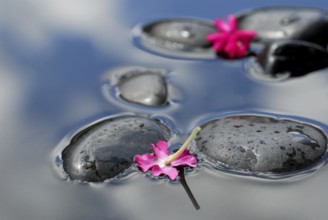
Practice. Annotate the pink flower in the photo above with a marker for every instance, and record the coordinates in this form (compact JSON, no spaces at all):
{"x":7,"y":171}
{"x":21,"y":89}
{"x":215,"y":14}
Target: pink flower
{"x":159,"y":163}
{"x":230,"y":41}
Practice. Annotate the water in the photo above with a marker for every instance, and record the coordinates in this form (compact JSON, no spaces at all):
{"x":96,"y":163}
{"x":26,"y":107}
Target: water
{"x":53,"y":56}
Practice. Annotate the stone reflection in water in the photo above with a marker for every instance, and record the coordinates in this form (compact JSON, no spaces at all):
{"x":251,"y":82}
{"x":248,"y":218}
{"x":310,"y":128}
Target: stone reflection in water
{"x":182,"y":37}
{"x":106,"y":148}
{"x":262,"y":144}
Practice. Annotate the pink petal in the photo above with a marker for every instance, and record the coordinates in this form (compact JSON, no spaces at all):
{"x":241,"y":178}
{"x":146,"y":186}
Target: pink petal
{"x":187,"y":160}
{"x":241,"y":51}
{"x":230,"y":49}
{"x":245,"y":37}
{"x":160,"y":150}
{"x":249,"y":34}
{"x":220,"y":42}
{"x":211,"y":38}
{"x":184,"y":153}
{"x":145,"y":162}
{"x":222,"y":26}
{"x":171,"y":172}
{"x":231,"y":42}
{"x":162,"y":145}
{"x":218,"y":46}
{"x":232,"y":23}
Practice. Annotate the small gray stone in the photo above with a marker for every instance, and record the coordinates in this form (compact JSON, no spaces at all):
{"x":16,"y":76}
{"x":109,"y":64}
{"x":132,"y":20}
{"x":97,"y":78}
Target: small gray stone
{"x":106,"y":148}
{"x":261,"y":144}
{"x":145,"y":88}
{"x":274,"y":23}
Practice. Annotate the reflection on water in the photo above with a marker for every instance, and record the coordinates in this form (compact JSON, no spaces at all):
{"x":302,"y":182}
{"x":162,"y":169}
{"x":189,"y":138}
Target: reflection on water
{"x":53,"y":55}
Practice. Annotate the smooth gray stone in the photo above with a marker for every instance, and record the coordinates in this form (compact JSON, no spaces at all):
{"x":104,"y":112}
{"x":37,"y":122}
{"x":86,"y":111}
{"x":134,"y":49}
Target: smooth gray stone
{"x":179,"y":34}
{"x":262,"y":144}
{"x":106,"y":148}
{"x":145,"y":88}
{"x":274,"y":23}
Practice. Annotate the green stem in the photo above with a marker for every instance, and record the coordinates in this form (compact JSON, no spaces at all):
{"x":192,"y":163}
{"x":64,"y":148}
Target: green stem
{"x":177,"y":154}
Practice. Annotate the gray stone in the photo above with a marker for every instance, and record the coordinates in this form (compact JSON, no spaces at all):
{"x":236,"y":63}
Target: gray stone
{"x":106,"y":148}
{"x":144,"y":87}
{"x":274,"y":23}
{"x":261,"y":144}
{"x":183,"y":38}
{"x":179,"y":34}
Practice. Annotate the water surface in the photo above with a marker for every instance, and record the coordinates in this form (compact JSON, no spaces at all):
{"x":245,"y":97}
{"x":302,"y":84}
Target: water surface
{"x":53,"y":56}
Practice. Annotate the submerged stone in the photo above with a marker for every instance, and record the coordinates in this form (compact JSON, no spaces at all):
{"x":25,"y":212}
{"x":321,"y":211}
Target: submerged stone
{"x":106,"y":148}
{"x":274,"y":23}
{"x":187,"y":36}
{"x":294,"y":58}
{"x":180,"y":34}
{"x":262,"y":144}
{"x":144,"y":87}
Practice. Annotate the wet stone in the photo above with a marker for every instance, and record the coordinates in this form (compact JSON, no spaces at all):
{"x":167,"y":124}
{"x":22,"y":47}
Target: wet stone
{"x":144,"y":87}
{"x":261,"y":144}
{"x":179,"y":35}
{"x":274,"y":23}
{"x":286,"y":57}
{"x":106,"y":148}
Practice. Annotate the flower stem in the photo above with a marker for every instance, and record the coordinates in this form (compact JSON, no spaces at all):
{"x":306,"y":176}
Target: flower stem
{"x":187,"y":189}
{"x":177,"y":154}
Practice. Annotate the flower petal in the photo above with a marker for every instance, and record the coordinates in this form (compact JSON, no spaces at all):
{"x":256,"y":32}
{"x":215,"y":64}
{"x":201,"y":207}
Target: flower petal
{"x":184,"y":153}
{"x":218,"y":46}
{"x":145,"y":162}
{"x":230,"y":41}
{"x":232,"y":23}
{"x":211,"y":38}
{"x":241,"y":51}
{"x":245,"y":37}
{"x":220,"y":43}
{"x":222,"y":26}
{"x":171,"y":172}
{"x":187,"y":160}
{"x":163,"y":146}
{"x":230,"y":49}
{"x":248,"y":34}
{"x":160,"y":150}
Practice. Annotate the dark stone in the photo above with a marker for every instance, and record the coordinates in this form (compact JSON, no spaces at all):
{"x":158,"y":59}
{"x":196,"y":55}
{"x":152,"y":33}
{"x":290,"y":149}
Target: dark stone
{"x":106,"y":148}
{"x":262,"y":144}
{"x":274,"y":23}
{"x":295,"y":58}
{"x":144,"y":87}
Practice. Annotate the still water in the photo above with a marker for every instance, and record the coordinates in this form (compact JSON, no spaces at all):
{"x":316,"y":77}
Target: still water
{"x":53,"y":59}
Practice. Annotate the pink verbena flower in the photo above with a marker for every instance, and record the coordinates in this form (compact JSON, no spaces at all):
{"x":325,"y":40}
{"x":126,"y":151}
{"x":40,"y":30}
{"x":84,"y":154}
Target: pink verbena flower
{"x":230,"y":41}
{"x":157,"y":163}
